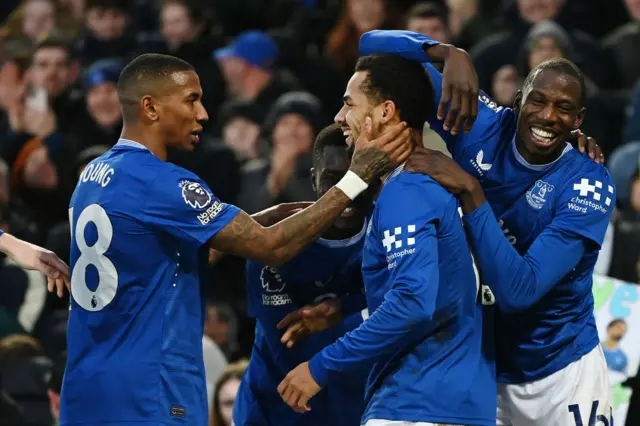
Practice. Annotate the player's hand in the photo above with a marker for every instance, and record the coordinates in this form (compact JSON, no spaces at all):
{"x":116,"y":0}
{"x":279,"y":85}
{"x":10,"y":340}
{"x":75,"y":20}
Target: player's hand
{"x":298,"y":387}
{"x":275,"y":214}
{"x":460,"y":87}
{"x":32,"y":257}
{"x":310,"y":319}
{"x":373,"y":157}
{"x":448,"y":174}
{"x":440,"y":167}
{"x":587,"y":144}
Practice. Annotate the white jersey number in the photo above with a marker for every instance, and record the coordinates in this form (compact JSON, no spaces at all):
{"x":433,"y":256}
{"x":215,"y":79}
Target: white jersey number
{"x":93,"y":300}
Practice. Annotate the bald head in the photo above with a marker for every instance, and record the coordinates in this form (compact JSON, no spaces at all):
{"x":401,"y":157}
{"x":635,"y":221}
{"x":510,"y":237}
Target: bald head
{"x":148,"y":75}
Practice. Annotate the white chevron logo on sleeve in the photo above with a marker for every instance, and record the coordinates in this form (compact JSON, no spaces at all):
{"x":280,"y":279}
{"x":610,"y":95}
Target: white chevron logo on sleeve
{"x":479,"y":158}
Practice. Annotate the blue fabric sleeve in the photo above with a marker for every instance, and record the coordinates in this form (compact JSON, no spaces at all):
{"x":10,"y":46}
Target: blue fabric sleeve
{"x":1,"y":232}
{"x":407,"y":44}
{"x":408,"y":305}
{"x":519,"y":281}
{"x":580,"y":222}
{"x":182,"y":205}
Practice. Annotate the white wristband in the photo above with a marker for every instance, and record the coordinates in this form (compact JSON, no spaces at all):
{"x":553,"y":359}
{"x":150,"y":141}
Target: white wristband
{"x":352,"y":185}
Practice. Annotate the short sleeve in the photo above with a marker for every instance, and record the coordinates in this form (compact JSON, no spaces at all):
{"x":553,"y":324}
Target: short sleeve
{"x":181,"y":204}
{"x":585,"y":206}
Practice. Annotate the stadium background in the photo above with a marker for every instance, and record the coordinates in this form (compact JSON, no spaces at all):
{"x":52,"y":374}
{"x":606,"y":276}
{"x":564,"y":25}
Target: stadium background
{"x":280,"y":81}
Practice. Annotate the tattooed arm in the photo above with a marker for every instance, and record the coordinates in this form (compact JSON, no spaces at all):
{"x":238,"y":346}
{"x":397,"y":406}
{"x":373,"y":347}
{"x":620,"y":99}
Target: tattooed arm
{"x":279,"y":243}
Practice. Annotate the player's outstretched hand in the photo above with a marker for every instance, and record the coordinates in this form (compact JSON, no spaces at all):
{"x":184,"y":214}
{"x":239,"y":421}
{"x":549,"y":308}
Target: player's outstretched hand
{"x":373,"y":157}
{"x":32,"y":257}
{"x":460,"y":87}
{"x":310,"y":319}
{"x":298,"y":387}
{"x":275,"y":214}
{"x":587,"y":144}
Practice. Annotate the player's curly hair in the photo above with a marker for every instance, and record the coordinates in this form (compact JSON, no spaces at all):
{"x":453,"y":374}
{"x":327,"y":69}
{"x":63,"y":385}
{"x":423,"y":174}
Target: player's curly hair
{"x":405,"y":82}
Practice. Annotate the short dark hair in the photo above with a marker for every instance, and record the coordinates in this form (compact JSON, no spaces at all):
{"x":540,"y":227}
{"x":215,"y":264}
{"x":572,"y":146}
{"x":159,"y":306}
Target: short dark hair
{"x":560,"y":65}
{"x":616,"y":322}
{"x":329,"y":136}
{"x":427,"y":10}
{"x":120,"y":5}
{"x":406,"y":83}
{"x":54,"y":39}
{"x":147,"y":74}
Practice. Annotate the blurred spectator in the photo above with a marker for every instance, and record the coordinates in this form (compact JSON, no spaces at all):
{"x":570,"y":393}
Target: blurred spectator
{"x":548,"y":40}
{"x":624,"y":236}
{"x":106,"y":31}
{"x":502,"y":49}
{"x":221,"y":326}
{"x":505,"y":84}
{"x":292,"y":125}
{"x":24,"y":368}
{"x":430,"y":19}
{"x":54,"y":386}
{"x":622,"y":164}
{"x":214,"y":364}
{"x":468,"y":22}
{"x":632,"y":127}
{"x":358,"y":17}
{"x":225,"y":395}
{"x":622,"y":46}
{"x":249,"y":67}
{"x":100,"y":123}
{"x":240,"y":122}
{"x":189,"y":31}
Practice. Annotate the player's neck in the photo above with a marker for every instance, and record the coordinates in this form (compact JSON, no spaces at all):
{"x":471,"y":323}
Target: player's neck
{"x":610,"y":344}
{"x":337,"y":234}
{"x":416,"y":137}
{"x":144,"y":138}
{"x":538,"y":160}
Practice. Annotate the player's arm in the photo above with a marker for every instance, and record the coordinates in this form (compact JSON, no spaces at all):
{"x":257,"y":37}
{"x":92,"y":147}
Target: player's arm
{"x":29,"y":256}
{"x":266,"y":217}
{"x":520,"y":281}
{"x":458,"y":84}
{"x":409,"y":305}
{"x":278,"y":243}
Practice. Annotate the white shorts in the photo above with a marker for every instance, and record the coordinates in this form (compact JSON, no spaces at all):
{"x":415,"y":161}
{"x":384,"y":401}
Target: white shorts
{"x":376,"y":422}
{"x":578,"y":395}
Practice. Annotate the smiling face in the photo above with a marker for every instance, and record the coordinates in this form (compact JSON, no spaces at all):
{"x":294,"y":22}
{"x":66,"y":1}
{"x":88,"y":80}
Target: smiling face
{"x":355,"y":109}
{"x":180,"y":113}
{"x":550,"y":107}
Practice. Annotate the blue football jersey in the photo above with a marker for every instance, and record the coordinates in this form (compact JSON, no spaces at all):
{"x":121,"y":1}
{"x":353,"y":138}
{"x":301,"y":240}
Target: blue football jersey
{"x":327,"y":269}
{"x":423,"y":341}
{"x":136,"y":316}
{"x":554,"y":215}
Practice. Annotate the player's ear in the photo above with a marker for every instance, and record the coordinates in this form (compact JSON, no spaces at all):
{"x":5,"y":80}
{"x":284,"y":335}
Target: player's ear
{"x":313,"y":179}
{"x":579,"y":118}
{"x":388,"y":111}
{"x":517,"y":101}
{"x":149,"y":108}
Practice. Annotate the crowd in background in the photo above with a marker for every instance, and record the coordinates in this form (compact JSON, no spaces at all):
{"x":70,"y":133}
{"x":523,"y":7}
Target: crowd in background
{"x":273,"y":73}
